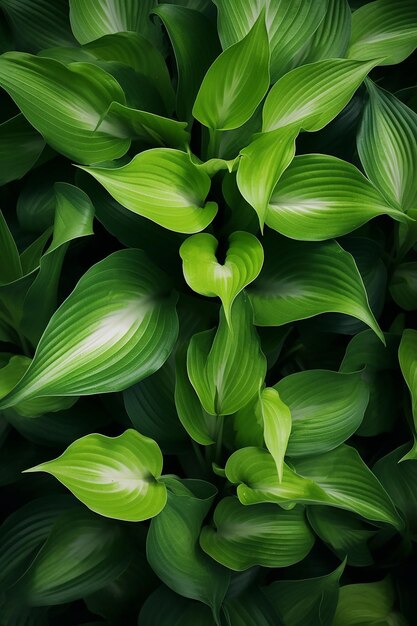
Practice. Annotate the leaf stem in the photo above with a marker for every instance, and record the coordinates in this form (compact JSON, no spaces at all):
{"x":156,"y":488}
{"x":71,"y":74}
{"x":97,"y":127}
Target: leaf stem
{"x":213,"y":147}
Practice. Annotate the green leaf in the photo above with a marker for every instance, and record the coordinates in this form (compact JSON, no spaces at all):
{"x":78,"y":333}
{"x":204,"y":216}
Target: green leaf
{"x":385,"y":30}
{"x":403,"y":286}
{"x":290,"y":25}
{"x":227,"y":367}
{"x":407,"y":355}
{"x":83,"y":553}
{"x":116,"y":477}
{"x":193,"y":53}
{"x":326,"y":409}
{"x":163,"y":185}
{"x":386,"y":145}
{"x":315,"y":278}
{"x":319,"y":197}
{"x":276,"y":418}
{"x":209,"y":277}
{"x":338,"y":478}
{"x":236,"y":82}
{"x":20,"y":148}
{"x":366,"y":603}
{"x":312,"y":95}
{"x":65,"y":104}
{"x":173,"y":550}
{"x":91,"y":20}
{"x":166,"y":608}
{"x":261,"y":165}
{"x":331,"y":39}
{"x":10,"y":265}
{"x":261,"y":535}
{"x":97,"y":344}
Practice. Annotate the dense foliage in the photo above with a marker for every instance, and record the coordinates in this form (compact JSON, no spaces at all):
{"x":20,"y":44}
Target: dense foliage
{"x":219,"y":427}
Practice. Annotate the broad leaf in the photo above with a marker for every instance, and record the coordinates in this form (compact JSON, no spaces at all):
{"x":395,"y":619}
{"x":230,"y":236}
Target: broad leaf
{"x":315,"y":278}
{"x":114,"y":476}
{"x":312,"y":95}
{"x":326,"y":409}
{"x":276,"y":419}
{"x":403,"y":286}
{"x":260,"y":535}
{"x":385,"y":30}
{"x":236,"y":82}
{"x":65,"y":104}
{"x":366,"y":604}
{"x":331,"y":39}
{"x":163,"y":185}
{"x":96,"y":344}
{"x":20,"y":148}
{"x":227,"y":367}
{"x":208,"y":276}
{"x":319,"y":197}
{"x":166,"y":608}
{"x":386,"y":146}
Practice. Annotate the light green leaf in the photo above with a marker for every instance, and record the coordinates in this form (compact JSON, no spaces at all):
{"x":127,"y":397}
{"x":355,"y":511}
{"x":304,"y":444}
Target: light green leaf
{"x":338,"y":478}
{"x":163,"y":185}
{"x":65,"y":104}
{"x":91,"y":20}
{"x":209,"y":277}
{"x":290,"y":24}
{"x":407,"y":355}
{"x":173,"y":550}
{"x":403,"y":286}
{"x":114,"y":476}
{"x":20,"y":148}
{"x":261,"y":165}
{"x":227,"y":368}
{"x":265,"y":535}
{"x":236,"y":82}
{"x":193,"y":53}
{"x":315,"y":278}
{"x":276,"y":418}
{"x":386,"y":145}
{"x":385,"y":30}
{"x":319,"y":197}
{"x":312,"y":95}
{"x":366,"y":604}
{"x":331,"y":39}
{"x":95,"y":343}
{"x":10,"y":265}
{"x":83,"y":553}
{"x":326,"y":409}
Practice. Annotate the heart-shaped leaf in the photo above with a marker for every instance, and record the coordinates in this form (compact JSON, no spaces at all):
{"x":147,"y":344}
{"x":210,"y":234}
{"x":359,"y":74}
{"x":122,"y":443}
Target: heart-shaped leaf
{"x":163,"y":185}
{"x":236,"y":82}
{"x":245,"y":536}
{"x":319,"y":197}
{"x":208,"y":277}
{"x":114,"y":476}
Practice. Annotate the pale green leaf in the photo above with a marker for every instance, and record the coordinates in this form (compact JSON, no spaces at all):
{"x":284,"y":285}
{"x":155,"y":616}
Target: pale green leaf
{"x":326,"y":409}
{"x":265,"y":535}
{"x":114,"y":476}
{"x":209,"y":277}
{"x":384,"y":29}
{"x":163,"y":185}
{"x":20,"y":148}
{"x":236,"y":82}
{"x":331,"y":39}
{"x":312,"y":95}
{"x":315,"y":278}
{"x":276,"y":417}
{"x":320,"y":197}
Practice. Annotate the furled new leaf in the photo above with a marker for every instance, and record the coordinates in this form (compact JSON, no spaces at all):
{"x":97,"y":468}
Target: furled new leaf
{"x":276,"y":419}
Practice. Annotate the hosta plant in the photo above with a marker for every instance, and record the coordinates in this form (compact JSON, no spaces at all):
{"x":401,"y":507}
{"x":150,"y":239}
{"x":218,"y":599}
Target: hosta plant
{"x":208,"y":279}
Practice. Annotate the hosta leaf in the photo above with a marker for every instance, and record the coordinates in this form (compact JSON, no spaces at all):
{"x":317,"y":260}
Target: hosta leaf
{"x":10,"y":264}
{"x":96,"y":344}
{"x":114,"y":476}
{"x":91,"y":20}
{"x":261,"y":165}
{"x":193,"y":54}
{"x":209,"y":277}
{"x":251,"y":608}
{"x":261,"y":535}
{"x":83,"y":553}
{"x":386,"y":146}
{"x":290,"y":25}
{"x":65,"y":104}
{"x":366,"y":603}
{"x":315,"y":278}
{"x":384,"y":29}
{"x":407,"y":355}
{"x":312,"y":95}
{"x":236,"y":82}
{"x":166,"y":608}
{"x":331,"y":39}
{"x":227,"y":368}
{"x":326,"y":409}
{"x":338,"y":478}
{"x":403,"y":286}
{"x":276,"y":418}
{"x":163,"y":185}
{"x":20,"y":148}
{"x":173,"y":550}
{"x":319,"y":197}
